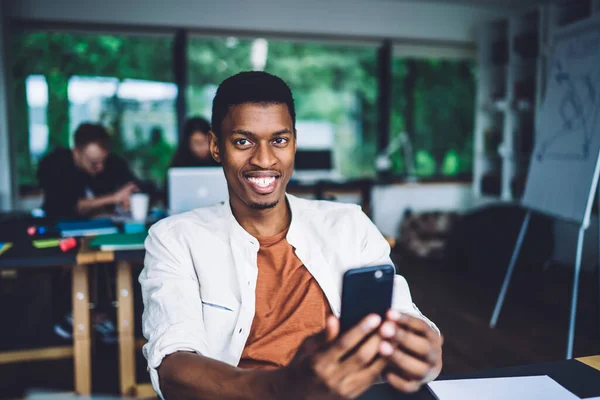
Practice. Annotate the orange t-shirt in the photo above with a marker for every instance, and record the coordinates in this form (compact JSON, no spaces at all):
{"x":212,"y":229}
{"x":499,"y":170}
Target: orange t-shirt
{"x":290,"y":306}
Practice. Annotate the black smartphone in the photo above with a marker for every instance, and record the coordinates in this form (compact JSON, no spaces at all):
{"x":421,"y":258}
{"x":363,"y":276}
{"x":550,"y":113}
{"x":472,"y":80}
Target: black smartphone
{"x":366,"y":290}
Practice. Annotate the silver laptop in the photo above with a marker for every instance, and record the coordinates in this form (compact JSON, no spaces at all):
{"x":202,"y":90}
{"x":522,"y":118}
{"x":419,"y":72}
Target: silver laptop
{"x":195,"y":187}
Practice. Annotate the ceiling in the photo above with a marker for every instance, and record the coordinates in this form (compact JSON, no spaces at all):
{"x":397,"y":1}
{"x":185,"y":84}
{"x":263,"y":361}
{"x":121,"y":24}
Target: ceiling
{"x":508,"y":4}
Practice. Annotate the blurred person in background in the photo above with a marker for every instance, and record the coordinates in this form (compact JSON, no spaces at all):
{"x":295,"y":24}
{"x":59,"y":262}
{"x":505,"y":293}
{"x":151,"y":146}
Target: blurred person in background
{"x":88,"y":180}
{"x":193,"y":149}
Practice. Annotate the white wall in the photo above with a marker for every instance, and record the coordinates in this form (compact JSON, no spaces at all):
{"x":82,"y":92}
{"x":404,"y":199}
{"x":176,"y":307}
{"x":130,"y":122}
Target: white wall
{"x":364,"y":18}
{"x":389,"y":202}
{"x":6,"y":195}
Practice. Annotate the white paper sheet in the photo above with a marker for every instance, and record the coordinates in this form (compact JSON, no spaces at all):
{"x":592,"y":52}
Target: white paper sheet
{"x":517,"y":388}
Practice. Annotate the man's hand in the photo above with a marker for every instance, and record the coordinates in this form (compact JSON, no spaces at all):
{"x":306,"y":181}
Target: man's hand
{"x":415,"y":354}
{"x":331,"y":366}
{"x":122,"y":195}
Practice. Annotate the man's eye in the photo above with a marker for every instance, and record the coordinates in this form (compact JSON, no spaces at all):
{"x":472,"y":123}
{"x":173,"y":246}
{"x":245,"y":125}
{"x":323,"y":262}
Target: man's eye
{"x":280,"y":140}
{"x":242,"y":142}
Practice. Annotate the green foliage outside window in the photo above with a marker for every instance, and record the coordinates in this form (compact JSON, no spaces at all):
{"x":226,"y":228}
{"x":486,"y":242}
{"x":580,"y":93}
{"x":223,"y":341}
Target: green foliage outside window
{"x":58,"y":56}
{"x":432,"y":100}
{"x":333,"y":83}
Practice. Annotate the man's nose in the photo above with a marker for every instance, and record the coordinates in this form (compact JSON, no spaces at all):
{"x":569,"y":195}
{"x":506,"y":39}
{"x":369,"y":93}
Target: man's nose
{"x":263,"y":156}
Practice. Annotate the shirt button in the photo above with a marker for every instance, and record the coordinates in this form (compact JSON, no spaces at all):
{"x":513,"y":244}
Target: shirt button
{"x":248,"y":283}
{"x":240,"y":331}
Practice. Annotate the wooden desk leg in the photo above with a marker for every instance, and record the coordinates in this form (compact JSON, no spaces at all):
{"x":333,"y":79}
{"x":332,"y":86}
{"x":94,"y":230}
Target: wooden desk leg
{"x":81,"y":330}
{"x":125,"y":326}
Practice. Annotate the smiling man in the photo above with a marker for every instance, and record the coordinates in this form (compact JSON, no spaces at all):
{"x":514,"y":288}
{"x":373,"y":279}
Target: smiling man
{"x":242,"y":299}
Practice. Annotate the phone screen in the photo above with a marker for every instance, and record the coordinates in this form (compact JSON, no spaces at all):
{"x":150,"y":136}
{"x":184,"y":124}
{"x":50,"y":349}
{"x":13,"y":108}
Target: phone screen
{"x":366,"y":290}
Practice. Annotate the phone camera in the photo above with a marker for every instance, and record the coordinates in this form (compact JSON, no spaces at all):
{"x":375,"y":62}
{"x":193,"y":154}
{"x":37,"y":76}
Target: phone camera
{"x":378,"y":274}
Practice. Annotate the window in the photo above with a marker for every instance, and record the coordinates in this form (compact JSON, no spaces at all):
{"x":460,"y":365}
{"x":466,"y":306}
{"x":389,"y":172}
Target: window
{"x":334,"y":87}
{"x":124,"y":82}
{"x":432,"y":111}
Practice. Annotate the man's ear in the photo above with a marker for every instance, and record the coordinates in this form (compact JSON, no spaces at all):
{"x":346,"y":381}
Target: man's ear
{"x":215,"y":151}
{"x":76,"y":154}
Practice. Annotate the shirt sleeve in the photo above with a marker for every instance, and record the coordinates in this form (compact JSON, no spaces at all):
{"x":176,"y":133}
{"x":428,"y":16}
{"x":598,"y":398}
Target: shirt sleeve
{"x":60,"y":196}
{"x":375,"y":250}
{"x":172,"y":319}
{"x":121,"y":172}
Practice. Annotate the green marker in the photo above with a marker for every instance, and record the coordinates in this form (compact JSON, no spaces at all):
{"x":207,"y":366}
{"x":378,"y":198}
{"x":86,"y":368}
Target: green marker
{"x":46,"y":243}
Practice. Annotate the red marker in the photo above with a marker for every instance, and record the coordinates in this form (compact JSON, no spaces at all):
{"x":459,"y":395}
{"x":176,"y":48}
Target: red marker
{"x":67,"y":244}
{"x":31,"y":230}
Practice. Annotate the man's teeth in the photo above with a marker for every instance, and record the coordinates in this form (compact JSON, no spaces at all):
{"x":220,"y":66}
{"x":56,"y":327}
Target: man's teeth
{"x":263,"y":182}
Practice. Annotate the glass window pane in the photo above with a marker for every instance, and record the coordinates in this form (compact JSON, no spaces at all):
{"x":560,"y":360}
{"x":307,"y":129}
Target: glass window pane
{"x":432,"y":105}
{"x":334,"y":87}
{"x":124,"y":82}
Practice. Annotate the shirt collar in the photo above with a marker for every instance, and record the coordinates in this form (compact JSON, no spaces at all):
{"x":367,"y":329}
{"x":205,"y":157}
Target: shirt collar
{"x":296,"y":232}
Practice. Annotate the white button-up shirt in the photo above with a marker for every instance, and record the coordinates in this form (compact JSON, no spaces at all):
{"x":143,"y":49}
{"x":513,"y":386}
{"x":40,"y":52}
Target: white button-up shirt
{"x":199,"y":277}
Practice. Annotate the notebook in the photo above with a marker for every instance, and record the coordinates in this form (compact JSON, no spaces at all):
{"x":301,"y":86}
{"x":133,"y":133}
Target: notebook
{"x":120,"y":241}
{"x":93,"y":227}
{"x":522,"y":387}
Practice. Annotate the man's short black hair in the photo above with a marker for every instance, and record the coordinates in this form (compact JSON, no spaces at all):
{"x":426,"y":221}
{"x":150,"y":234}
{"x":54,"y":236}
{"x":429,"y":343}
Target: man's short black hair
{"x":250,"y":87}
{"x":88,"y":133}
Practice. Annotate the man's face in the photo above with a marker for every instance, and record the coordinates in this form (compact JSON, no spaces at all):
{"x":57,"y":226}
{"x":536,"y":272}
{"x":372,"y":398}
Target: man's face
{"x":90,"y":158}
{"x":256,"y":148}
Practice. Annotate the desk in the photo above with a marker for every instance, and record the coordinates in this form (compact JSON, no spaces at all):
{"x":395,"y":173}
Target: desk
{"x":125,"y":318}
{"x":580,"y":376}
{"x":20,"y":257}
{"x":78,"y":260}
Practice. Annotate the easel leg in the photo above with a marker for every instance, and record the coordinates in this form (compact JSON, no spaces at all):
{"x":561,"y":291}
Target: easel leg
{"x":125,"y":326}
{"x":575,"y":293}
{"x":598,"y":288}
{"x":598,"y":301}
{"x":81,"y":330}
{"x":509,"y":272}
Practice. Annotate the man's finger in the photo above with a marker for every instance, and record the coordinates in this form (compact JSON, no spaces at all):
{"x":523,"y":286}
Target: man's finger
{"x":362,"y":356}
{"x":332,"y":328}
{"x":402,"y":384}
{"x":419,"y":346}
{"x":354,"y":336}
{"x":415,"y":324}
{"x":356,"y":384}
{"x":410,"y":366}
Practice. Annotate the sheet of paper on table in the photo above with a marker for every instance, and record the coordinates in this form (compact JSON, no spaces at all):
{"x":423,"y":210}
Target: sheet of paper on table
{"x":526,"y":387}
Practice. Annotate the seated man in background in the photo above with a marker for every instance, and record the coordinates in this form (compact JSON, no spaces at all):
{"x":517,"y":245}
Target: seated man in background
{"x":86,"y":181}
{"x":242,"y":299}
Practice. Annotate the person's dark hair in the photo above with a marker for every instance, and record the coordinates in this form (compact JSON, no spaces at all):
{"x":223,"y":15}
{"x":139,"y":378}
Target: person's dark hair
{"x":183,"y":155}
{"x":250,"y":87}
{"x":88,"y":133}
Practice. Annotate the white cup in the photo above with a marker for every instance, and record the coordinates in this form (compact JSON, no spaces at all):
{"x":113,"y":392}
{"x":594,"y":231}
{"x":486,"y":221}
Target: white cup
{"x":139,"y":206}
